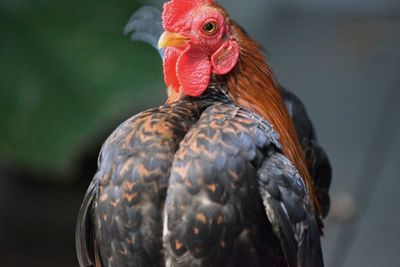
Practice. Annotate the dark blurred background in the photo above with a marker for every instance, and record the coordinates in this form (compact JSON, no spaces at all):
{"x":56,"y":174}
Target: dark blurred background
{"x":68,"y":77}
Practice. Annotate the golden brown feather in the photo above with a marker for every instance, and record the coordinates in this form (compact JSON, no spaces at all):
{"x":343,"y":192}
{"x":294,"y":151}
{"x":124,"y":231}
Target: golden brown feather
{"x":252,"y":85}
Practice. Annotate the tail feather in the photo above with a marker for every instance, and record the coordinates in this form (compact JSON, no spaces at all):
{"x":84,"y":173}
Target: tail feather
{"x":145,"y":25}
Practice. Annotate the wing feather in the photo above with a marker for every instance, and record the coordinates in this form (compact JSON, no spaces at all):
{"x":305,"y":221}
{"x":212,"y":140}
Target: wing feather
{"x":290,"y":212}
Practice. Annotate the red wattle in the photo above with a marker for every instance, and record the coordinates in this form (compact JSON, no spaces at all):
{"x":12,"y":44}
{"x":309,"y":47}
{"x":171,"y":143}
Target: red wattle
{"x":194,"y":71}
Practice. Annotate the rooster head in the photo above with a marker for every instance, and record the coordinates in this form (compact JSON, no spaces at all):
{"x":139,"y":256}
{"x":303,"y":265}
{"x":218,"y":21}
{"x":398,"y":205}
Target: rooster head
{"x":198,"y":42}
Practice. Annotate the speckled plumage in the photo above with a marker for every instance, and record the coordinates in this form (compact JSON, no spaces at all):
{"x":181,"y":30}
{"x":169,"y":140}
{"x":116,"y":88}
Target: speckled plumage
{"x":123,"y":204}
{"x":227,"y":166}
{"x":200,"y":182}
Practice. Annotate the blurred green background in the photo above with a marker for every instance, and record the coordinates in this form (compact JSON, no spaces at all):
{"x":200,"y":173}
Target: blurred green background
{"x":68,"y":77}
{"x":66,"y":71}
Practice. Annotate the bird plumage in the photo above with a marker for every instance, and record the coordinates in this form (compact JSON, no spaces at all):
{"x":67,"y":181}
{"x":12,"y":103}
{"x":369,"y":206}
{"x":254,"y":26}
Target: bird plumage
{"x":265,"y":99}
{"x":201,"y":182}
{"x":122,"y":207}
{"x":207,"y":179}
{"x":225,"y":214}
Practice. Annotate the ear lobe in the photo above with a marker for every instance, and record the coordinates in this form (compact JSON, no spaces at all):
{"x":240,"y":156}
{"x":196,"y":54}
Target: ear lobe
{"x":194,"y":71}
{"x":225,"y":58}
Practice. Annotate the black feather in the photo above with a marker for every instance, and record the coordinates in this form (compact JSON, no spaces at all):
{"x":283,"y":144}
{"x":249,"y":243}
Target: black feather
{"x":290,"y":212}
{"x":317,"y":160}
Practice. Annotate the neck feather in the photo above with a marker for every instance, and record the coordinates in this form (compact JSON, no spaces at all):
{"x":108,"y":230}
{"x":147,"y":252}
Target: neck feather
{"x":251,"y":84}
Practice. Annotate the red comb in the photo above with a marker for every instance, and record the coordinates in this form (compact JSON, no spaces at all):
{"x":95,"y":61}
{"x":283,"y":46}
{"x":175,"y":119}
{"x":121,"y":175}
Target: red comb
{"x":176,"y":10}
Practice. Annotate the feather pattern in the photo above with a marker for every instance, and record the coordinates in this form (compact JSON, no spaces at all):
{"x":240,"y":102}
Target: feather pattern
{"x":122,"y":207}
{"x":197,"y":183}
{"x":228,"y":166}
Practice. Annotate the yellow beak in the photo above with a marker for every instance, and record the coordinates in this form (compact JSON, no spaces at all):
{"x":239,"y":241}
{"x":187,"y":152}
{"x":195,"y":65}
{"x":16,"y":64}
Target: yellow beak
{"x":171,"y":39}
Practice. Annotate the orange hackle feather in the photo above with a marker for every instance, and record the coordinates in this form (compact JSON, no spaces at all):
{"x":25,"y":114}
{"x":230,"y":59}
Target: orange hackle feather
{"x":252,"y":85}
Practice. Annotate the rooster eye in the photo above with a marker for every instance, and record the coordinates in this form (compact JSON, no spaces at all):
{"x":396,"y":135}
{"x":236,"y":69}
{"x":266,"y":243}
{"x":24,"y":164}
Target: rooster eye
{"x":210,"y":27}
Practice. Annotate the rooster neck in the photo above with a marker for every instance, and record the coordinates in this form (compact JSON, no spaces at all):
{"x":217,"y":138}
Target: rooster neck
{"x":251,"y":84}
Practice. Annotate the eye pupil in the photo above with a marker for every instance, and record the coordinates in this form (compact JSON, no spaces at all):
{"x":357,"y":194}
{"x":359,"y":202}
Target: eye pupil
{"x":209,"y":27}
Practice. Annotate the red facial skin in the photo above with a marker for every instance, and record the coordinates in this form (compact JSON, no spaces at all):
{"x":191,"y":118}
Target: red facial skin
{"x":189,"y":67}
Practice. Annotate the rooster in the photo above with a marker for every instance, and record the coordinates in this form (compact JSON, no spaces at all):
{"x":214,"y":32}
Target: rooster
{"x":214,"y":177}
{"x":146,"y":25}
